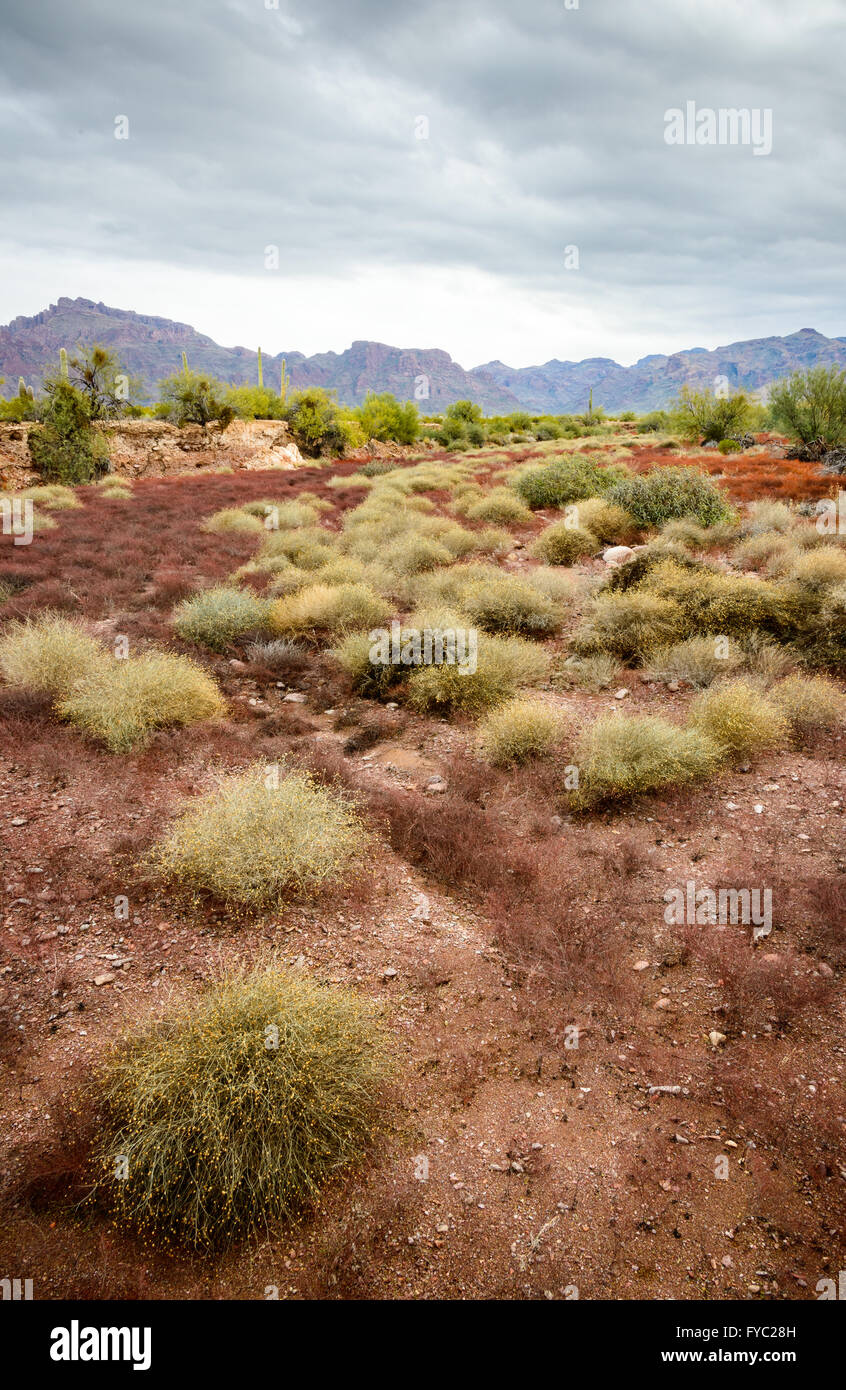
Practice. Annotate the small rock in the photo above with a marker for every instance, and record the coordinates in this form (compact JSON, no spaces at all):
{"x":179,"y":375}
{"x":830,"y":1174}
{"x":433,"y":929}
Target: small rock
{"x":673,"y":685}
{"x":621,"y":693}
{"x":105,"y":979}
{"x":389,"y":973}
{"x":237,"y":665}
{"x":716,"y":1039}
{"x":617,"y":555}
{"x":641,"y":965}
{"x":294,"y":697}
{"x":826,"y":971}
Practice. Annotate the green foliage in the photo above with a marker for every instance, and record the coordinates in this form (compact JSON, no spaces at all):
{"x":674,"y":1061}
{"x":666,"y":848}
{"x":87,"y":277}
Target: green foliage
{"x":564,"y":480}
{"x":232,"y":1111}
{"x":122,"y":701}
{"x":48,"y":654}
{"x":655,"y":422}
{"x":508,"y":605}
{"x":562,"y":544}
{"x":702,"y":415}
{"x":628,"y":625}
{"x":739,"y":718}
{"x":519,"y":730}
{"x":67,"y":448}
{"x":255,"y":403}
{"x":810,"y":406}
{"x":192,"y":398}
{"x":382,"y":417}
{"x":319,"y":425}
{"x":728,"y":446}
{"x":97,"y":373}
{"x":666,"y":493}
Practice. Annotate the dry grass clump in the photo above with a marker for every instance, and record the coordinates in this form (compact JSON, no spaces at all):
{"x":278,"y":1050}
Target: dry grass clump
{"x":519,"y":730}
{"x":593,"y":673}
{"x":500,"y":506}
{"x":563,"y":544}
{"x":261,"y":837}
{"x":233,"y":1110}
{"x":564,"y":589}
{"x":216,"y":616}
{"x":281,"y":515}
{"x":739,"y":718}
{"x":809,"y":702}
{"x":504,"y":664}
{"x":232,"y":519}
{"x":327,"y":608}
{"x":765,"y":516}
{"x":48,"y":654}
{"x":116,"y":489}
{"x":414,"y":554}
{"x":122,"y":701}
{"x":504,"y":604}
{"x":54,"y":496}
{"x":822,"y":568}
{"x":354,"y":653}
{"x":309,"y":547}
{"x":698,"y":660}
{"x":622,"y":756}
{"x":628,"y":625}
{"x":604,"y":520}
{"x":765,"y":549}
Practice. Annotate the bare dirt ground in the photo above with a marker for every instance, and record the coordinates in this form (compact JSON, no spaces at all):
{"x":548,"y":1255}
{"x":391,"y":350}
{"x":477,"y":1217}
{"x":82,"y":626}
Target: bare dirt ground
{"x":548,"y":1137}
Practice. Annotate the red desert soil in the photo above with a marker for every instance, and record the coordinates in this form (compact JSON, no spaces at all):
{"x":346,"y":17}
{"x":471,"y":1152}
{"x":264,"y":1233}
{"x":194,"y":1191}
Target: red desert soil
{"x":528,"y":1153}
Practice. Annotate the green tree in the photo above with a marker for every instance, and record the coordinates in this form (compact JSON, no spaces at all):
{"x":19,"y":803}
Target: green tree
{"x":67,"y":448}
{"x":465,"y":411}
{"x":319,"y":425}
{"x":810,"y":407}
{"x":382,"y":417}
{"x":702,"y":416}
{"x":192,"y":398}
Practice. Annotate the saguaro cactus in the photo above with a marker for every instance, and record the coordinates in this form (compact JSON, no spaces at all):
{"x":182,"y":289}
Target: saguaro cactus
{"x":260,"y":372}
{"x":185,"y":363}
{"x":63,"y":359}
{"x":283,"y":388}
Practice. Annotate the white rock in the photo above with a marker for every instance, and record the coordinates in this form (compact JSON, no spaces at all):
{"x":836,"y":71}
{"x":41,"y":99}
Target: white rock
{"x":617,"y":555}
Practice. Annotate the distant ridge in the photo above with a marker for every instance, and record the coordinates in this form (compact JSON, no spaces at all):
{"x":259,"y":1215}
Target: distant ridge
{"x":152,"y":348}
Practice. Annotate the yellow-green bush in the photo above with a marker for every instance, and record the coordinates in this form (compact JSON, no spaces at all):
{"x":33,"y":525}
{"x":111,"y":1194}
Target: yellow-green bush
{"x":698,"y":660}
{"x":628,"y":625}
{"x":48,"y":654}
{"x":232,"y":1111}
{"x":230,"y":519}
{"x":261,"y":837}
{"x":809,"y":702}
{"x":327,"y":607}
{"x":216,"y":616}
{"x":562,"y":544}
{"x":519,"y":730}
{"x":309,"y":547}
{"x":504,"y":665}
{"x":122,"y":701}
{"x":823,"y":568}
{"x":500,"y":505}
{"x":506,"y":604}
{"x":622,"y":756}
{"x":604,"y":520}
{"x":53,"y":496}
{"x":739,"y":718}
{"x":279,"y":515}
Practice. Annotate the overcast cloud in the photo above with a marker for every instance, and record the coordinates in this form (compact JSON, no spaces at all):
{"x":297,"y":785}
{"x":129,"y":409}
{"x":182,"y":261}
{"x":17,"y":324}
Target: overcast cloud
{"x":298,"y":127}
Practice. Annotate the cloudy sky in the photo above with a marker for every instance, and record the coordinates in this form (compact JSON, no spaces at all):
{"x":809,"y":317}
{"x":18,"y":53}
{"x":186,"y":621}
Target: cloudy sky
{"x":487,"y":176}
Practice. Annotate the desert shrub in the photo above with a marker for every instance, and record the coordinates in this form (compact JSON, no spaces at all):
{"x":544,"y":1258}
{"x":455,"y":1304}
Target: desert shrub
{"x":122,"y":701}
{"x":232,"y":519}
{"x":260,"y":838}
{"x":320,"y":425}
{"x":382,"y":417}
{"x":725,"y":604}
{"x":499,"y":505}
{"x":822,"y":568}
{"x":810,"y":406}
{"x":325,"y":607}
{"x":728,"y":446}
{"x":57,"y":496}
{"x":593,"y":673}
{"x":278,"y":655}
{"x":250,"y":402}
{"x":564,"y":480}
{"x":666,"y":493}
{"x":234,"y":1109}
{"x":370,"y":677}
{"x":657,"y":421}
{"x":695,"y":660}
{"x":281,"y":515}
{"x":309,"y":547}
{"x":193,"y":398}
{"x":518,"y":730}
{"x":766,"y":661}
{"x":508,"y":605}
{"x":67,"y":448}
{"x":414,"y":554}
{"x":764,"y":516}
{"x":622,"y":756}
{"x":563,"y":544}
{"x":628,"y":625}
{"x":604,"y":520}
{"x":809,"y":702}
{"x":504,"y":664}
{"x":216,"y":616}
{"x":48,"y":654}
{"x":739,"y":718}
{"x":555,"y":584}
{"x":492,"y":540}
{"x":115,"y":489}
{"x":702,"y":415}
{"x":760,"y":548}
{"x":685,"y":531}
{"x":287,"y":580}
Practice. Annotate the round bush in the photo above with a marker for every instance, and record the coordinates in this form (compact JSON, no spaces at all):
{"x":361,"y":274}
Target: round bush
{"x":214,"y":617}
{"x":519,"y":730}
{"x":622,"y":756}
{"x":561,"y":544}
{"x":327,"y":607}
{"x":810,"y":702}
{"x":739,"y":718}
{"x":260,"y":838}
{"x":232,"y":1111}
{"x":48,"y":654}
{"x":122,"y":701}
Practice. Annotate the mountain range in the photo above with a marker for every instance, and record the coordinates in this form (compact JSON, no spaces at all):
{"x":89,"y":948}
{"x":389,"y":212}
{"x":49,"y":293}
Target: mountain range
{"x":151,"y":348}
